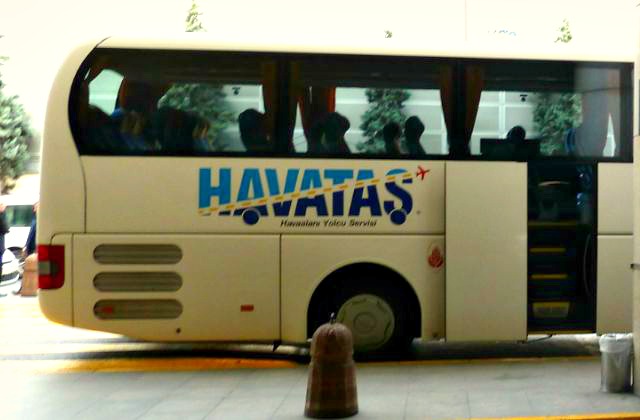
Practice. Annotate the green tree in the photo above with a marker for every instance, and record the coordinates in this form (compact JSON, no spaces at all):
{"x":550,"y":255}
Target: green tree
{"x":205,"y":100}
{"x":15,"y":133}
{"x":565,"y":33}
{"x":555,"y":113}
{"x":193,"y":19}
{"x":385,"y":106}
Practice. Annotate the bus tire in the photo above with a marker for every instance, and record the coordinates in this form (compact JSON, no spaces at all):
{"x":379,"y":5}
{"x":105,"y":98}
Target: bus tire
{"x":373,"y":312}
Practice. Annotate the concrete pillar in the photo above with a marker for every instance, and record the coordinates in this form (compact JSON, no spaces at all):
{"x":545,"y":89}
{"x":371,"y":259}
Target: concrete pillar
{"x":636,"y":212}
{"x":636,"y":255}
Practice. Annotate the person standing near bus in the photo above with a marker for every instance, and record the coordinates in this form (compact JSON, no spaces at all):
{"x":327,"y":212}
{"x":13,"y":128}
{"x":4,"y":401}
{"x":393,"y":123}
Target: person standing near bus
{"x":29,"y":286}
{"x":30,"y":246}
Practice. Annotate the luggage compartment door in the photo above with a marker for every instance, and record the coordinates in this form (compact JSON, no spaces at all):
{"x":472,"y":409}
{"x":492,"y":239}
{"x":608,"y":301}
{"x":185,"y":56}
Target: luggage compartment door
{"x":486,"y":241}
{"x":615,"y":248}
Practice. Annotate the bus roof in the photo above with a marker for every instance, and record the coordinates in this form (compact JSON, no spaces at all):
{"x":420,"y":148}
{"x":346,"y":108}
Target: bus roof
{"x":510,"y":49}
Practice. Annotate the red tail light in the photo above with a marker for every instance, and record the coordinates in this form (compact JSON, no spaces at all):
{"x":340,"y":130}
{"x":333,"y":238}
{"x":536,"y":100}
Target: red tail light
{"x":50,"y":266}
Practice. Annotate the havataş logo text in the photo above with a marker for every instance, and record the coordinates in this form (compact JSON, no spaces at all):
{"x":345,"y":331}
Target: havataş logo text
{"x":309,"y":192}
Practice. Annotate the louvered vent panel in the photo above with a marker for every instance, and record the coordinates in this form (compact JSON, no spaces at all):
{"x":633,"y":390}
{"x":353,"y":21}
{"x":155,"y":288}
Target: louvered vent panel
{"x":137,"y":282}
{"x":137,"y":254}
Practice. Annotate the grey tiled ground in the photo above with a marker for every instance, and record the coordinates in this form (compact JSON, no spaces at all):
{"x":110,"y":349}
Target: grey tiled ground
{"x":386,"y":391}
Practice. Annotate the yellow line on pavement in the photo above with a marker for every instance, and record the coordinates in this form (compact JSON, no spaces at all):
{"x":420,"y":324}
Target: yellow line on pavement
{"x":27,"y":348}
{"x":204,"y":363}
{"x":140,"y":365}
{"x":485,"y":361}
{"x":608,"y":416}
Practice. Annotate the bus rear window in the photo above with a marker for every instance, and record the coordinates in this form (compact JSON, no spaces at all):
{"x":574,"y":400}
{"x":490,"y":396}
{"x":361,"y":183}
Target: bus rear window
{"x":129,"y":102}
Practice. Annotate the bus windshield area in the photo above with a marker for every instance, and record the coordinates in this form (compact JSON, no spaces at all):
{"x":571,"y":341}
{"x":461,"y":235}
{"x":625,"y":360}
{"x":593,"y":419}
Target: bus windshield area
{"x":199,"y":103}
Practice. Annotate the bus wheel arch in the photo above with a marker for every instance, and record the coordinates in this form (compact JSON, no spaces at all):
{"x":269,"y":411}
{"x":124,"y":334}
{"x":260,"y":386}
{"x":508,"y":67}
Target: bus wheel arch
{"x":368,"y":292}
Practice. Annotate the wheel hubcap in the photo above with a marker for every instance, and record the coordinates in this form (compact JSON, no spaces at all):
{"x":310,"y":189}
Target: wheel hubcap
{"x":370,"y":320}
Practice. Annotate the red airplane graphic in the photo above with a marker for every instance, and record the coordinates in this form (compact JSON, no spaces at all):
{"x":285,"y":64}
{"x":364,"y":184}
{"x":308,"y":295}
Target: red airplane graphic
{"x":422,"y":172}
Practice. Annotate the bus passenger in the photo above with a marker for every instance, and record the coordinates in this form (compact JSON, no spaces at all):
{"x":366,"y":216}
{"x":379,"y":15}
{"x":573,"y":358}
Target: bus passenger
{"x":174,"y":130}
{"x":391,"y":135}
{"x":314,"y":142}
{"x":253,"y":130}
{"x":517,"y":135}
{"x":201,"y":136}
{"x":137,"y":101}
{"x":101,"y":133}
{"x":132,"y":131}
{"x":516,"y":139}
{"x":413,"y":129}
{"x":334,"y":128}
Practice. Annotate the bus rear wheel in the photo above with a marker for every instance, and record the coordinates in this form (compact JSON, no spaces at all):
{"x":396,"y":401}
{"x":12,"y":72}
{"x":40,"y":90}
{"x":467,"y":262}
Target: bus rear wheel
{"x":373,"y":312}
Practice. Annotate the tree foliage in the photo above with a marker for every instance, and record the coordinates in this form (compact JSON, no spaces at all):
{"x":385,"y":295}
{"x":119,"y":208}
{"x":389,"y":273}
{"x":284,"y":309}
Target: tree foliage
{"x":565,"y":33}
{"x":193,"y":23}
{"x":385,"y":106}
{"x":15,"y":133}
{"x":205,"y":100}
{"x":555,"y":113}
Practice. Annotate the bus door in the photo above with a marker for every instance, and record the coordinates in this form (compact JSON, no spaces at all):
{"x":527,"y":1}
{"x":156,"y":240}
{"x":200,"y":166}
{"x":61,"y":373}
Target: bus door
{"x":562,"y":243}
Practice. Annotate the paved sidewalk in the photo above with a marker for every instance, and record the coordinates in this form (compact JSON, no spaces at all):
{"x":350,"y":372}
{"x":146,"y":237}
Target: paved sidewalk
{"x":404,"y":390}
{"x":49,"y":371}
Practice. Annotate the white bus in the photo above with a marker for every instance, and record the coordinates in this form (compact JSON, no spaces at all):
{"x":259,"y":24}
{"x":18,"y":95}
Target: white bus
{"x":194,"y":190}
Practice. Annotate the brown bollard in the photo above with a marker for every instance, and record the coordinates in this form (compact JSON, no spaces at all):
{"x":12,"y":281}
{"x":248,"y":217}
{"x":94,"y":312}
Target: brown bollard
{"x":30,"y":276}
{"x":331,"y":389}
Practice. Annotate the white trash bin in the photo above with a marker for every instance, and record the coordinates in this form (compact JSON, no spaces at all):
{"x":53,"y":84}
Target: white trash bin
{"x":616,"y":354}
